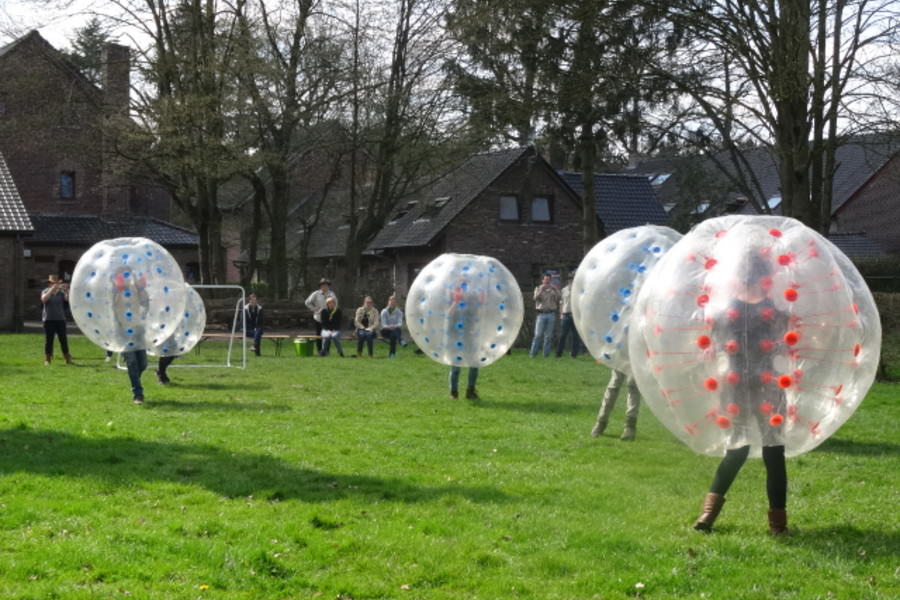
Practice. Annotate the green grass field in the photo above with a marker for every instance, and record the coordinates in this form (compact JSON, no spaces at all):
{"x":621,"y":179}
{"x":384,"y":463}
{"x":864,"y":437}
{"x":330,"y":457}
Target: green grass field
{"x":356,"y":478}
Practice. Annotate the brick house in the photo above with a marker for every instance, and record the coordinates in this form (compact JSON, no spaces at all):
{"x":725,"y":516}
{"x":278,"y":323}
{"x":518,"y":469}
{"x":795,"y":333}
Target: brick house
{"x":865,"y":191}
{"x":14,"y":226}
{"x":60,"y":149}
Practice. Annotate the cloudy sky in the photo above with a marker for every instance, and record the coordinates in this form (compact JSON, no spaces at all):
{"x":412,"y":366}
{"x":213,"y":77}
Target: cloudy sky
{"x":56,"y":20}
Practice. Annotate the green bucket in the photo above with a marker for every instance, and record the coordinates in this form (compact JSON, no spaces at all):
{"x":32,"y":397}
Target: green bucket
{"x":304,"y":346}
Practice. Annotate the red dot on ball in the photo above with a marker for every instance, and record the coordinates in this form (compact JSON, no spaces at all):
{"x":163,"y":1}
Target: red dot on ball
{"x":702,"y":299}
{"x":790,"y":294}
{"x":721,"y":233}
{"x":732,"y":314}
{"x":723,"y":422}
{"x":855,"y":308}
{"x":765,"y":283}
{"x":710,"y":263}
{"x":731,"y":346}
{"x":791,"y":338}
{"x":775,"y":233}
{"x":776,"y":420}
{"x":766,"y":377}
{"x":765,"y":408}
{"x":785,"y":381}
{"x":711,"y":384}
{"x":733,"y":378}
{"x":784,"y":259}
{"x":703,"y":342}
{"x":856,"y":350}
{"x":733,"y":409}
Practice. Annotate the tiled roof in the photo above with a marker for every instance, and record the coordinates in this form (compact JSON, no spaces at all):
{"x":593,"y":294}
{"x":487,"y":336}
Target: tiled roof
{"x":622,"y":201}
{"x":76,"y":230}
{"x":417,"y":224}
{"x":856,"y":245}
{"x":13,"y":216}
{"x":856,"y":161}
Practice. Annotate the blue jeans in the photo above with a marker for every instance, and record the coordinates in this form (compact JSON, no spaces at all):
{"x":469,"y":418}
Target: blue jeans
{"x":364,"y":336}
{"x":257,"y":339}
{"x":136,"y":361}
{"x":543,"y":328}
{"x":326,"y":345}
{"x":454,"y":378}
{"x":567,"y":327}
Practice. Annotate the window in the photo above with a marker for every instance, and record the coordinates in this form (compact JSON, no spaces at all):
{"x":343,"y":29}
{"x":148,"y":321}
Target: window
{"x":435,"y":207}
{"x":509,"y":208}
{"x":67,"y":185}
{"x":540,"y":210}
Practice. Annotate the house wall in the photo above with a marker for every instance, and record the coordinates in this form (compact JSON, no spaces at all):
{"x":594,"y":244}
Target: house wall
{"x":525,"y":247}
{"x":875,"y":209}
{"x":8,"y":293}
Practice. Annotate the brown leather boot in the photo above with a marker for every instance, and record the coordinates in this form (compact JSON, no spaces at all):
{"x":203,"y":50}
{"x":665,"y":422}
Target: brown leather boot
{"x":712,"y":504}
{"x":68,"y":358}
{"x":778,"y":521}
{"x":48,"y":358}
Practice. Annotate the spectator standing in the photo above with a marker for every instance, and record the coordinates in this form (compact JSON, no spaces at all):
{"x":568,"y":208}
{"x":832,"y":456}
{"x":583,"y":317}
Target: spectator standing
{"x":566,"y":322}
{"x":546,"y":302}
{"x":391,"y":324}
{"x":253,"y":321}
{"x":331,"y":327}
{"x":54,"y":298}
{"x":316,"y":302}
{"x":366,"y":323}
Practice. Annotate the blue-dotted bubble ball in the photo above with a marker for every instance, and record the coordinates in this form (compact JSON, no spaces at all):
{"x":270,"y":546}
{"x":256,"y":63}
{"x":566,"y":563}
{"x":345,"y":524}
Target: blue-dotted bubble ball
{"x":606,"y":285}
{"x":127,"y":294}
{"x":189,"y":329}
{"x":754,"y":331}
{"x":464,"y":310}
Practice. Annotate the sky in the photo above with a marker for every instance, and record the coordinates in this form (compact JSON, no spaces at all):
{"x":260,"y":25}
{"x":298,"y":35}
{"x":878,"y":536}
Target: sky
{"x":56,"y":21}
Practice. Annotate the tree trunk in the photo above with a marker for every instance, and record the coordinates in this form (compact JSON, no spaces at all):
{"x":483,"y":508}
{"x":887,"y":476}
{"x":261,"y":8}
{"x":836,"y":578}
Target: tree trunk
{"x":588,"y":150}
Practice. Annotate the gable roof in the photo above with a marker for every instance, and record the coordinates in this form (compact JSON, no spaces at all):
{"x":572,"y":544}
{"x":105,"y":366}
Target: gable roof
{"x":35,"y":40}
{"x":86,"y":230}
{"x":13,"y":216}
{"x":856,"y":161}
{"x":422,"y":217}
{"x":621,"y":201}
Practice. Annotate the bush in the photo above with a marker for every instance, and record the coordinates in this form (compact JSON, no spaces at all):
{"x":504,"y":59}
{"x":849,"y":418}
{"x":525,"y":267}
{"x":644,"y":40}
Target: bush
{"x":881,"y":274}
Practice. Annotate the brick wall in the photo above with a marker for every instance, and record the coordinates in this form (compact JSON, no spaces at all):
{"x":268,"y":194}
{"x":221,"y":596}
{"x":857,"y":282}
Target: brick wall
{"x":875,"y":209}
{"x":7,"y":292}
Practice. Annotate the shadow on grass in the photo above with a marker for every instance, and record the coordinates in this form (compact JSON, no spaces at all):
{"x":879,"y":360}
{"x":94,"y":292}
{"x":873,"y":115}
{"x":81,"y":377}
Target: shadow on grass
{"x":123,"y":461}
{"x":533,"y":407}
{"x":250,"y":387}
{"x":840,"y":446}
{"x":846,"y":540}
{"x":176,"y":405}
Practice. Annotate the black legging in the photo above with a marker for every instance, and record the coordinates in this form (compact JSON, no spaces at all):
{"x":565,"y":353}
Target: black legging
{"x":57,"y":328}
{"x":776,"y":473}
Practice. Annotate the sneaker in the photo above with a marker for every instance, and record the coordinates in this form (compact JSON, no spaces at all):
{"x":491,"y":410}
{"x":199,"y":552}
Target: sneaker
{"x":161,"y":379}
{"x":138,"y":399}
{"x":454,"y":395}
{"x":391,"y":355}
{"x":108,"y":359}
{"x":471,"y":394}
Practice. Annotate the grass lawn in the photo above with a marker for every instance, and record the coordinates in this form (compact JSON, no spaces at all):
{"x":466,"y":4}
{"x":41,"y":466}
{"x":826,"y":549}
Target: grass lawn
{"x":356,"y":478}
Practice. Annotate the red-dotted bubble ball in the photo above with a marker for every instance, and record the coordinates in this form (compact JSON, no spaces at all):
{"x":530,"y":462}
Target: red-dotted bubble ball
{"x":711,"y":384}
{"x":733,"y":409}
{"x":791,"y":338}
{"x":776,"y":420}
{"x":723,"y":422}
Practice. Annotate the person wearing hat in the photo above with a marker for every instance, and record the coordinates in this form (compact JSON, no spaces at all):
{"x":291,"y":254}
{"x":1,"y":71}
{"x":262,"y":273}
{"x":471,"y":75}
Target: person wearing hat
{"x":54,"y":298}
{"x":567,"y":322}
{"x":316,"y":302}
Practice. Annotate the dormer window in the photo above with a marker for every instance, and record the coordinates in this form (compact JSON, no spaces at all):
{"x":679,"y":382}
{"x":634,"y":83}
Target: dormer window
{"x":541,"y":210}
{"x":433,"y":209}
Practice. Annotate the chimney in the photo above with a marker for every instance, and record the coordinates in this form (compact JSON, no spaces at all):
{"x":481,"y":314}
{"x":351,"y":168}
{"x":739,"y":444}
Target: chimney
{"x":116,"y":78}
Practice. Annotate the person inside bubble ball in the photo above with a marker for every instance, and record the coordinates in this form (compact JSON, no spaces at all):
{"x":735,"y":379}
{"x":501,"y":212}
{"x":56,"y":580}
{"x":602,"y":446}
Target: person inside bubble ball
{"x":130,"y":290}
{"x":632,"y":406}
{"x":748,"y":332}
{"x":464,"y":303}
{"x":366,"y":323}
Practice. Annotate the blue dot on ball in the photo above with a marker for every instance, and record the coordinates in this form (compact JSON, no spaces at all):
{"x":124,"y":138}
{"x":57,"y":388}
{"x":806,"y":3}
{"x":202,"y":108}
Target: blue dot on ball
{"x":493,"y":345}
{"x":128,"y":293}
{"x":97,"y":331}
{"x":656,"y":250}
{"x":131,"y":343}
{"x":427,"y":340}
{"x":129,"y":331}
{"x":499,"y":287}
{"x":166,"y":289}
{"x":502,"y":307}
{"x":149,"y":253}
{"x":483,"y":359}
{"x":460,"y":324}
{"x":128,"y":315}
{"x":614,"y":317}
{"x":187,"y":333}
{"x":126,"y":274}
{"x":608,"y":339}
{"x":168,"y":308}
{"x":422,"y":299}
{"x":466,"y":268}
{"x":434,"y":353}
{"x":159,"y":270}
{"x":87,"y":294}
{"x":464,"y":285}
{"x":163,"y":326}
{"x":499,"y":327}
{"x":462,"y":304}
{"x":421,"y":320}
{"x":459,"y":358}
{"x":606,"y":356}
{"x":90,"y":315}
{"x":459,"y":344}
{"x":93,"y":273}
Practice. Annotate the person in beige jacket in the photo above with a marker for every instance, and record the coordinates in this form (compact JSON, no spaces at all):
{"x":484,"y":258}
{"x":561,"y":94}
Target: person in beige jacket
{"x":366,"y":322}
